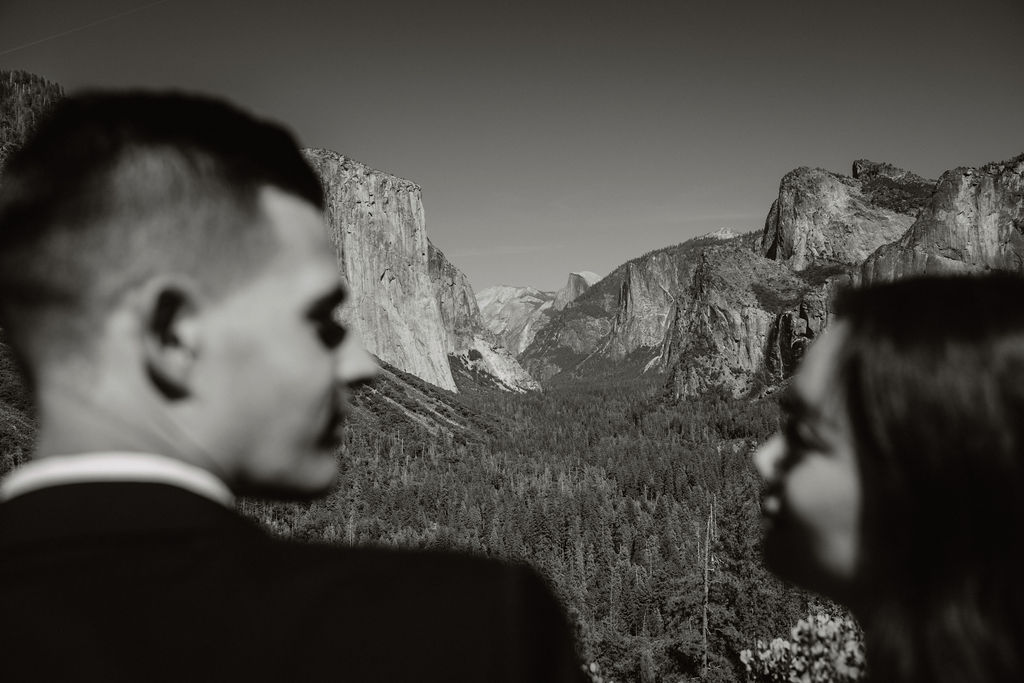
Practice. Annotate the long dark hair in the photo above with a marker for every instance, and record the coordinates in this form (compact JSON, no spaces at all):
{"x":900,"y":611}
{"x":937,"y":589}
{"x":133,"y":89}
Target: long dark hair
{"x":933,"y":373}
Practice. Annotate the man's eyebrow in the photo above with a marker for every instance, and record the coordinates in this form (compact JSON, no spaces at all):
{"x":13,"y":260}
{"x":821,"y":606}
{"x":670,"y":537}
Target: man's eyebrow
{"x":327,"y":302}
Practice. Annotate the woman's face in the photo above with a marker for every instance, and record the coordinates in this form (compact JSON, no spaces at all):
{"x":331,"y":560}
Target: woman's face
{"x":811,"y":501}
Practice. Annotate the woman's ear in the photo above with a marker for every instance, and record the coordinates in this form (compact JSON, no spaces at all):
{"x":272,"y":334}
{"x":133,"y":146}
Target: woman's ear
{"x":171,"y":335}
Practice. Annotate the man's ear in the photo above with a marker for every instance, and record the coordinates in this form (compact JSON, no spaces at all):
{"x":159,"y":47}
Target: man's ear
{"x":171,"y":335}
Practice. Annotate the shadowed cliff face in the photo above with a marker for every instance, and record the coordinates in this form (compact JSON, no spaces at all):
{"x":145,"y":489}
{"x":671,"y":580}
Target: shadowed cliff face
{"x":744,"y":324}
{"x":973,"y":223}
{"x":377,"y":226}
{"x":460,"y":315}
{"x":825,"y":218}
{"x":476,"y":355}
{"x":622,"y":319}
{"x":748,"y":319}
{"x":517,"y":314}
{"x":574,"y":288}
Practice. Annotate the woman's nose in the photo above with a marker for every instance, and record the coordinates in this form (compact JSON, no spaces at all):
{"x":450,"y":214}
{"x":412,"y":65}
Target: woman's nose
{"x":768,"y":456}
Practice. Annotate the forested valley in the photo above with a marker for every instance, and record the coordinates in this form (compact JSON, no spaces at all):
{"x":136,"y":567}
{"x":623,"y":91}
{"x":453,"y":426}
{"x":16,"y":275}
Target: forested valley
{"x":641,"y":512}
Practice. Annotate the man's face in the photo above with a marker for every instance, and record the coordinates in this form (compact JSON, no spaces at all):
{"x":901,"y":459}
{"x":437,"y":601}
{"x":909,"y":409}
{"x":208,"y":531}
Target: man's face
{"x":812,"y":492}
{"x":278,"y":367}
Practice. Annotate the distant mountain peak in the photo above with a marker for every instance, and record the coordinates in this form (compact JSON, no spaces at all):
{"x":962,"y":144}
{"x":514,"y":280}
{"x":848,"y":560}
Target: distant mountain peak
{"x":720,"y":234}
{"x":577,"y":283}
{"x":589,"y":277}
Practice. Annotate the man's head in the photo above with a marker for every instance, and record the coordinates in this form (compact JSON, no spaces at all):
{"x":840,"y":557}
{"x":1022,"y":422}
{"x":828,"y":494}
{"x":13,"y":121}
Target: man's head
{"x":165,"y":273}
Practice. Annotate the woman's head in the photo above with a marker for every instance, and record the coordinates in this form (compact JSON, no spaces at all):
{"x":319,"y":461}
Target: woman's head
{"x":921,"y":383}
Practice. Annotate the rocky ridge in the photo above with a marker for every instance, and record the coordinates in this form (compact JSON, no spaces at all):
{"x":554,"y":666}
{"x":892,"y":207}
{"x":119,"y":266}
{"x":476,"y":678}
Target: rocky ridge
{"x":974,"y":222}
{"x":749,"y":322}
{"x":622,"y":319}
{"x":822,"y":217}
{"x":736,"y":313}
{"x":745,"y":322}
{"x":752,"y":312}
{"x":574,"y":287}
{"x":517,"y":314}
{"x":474,"y":352}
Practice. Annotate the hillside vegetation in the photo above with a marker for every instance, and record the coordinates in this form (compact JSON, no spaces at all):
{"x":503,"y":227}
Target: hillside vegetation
{"x":620,"y":497}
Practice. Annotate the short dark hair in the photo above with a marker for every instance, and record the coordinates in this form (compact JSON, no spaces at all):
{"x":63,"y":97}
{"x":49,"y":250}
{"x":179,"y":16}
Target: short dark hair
{"x":112,"y":188}
{"x":933,"y":375}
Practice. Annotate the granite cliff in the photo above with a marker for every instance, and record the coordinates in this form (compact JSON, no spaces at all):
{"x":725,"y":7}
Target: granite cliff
{"x":974,"y":222}
{"x":574,"y":287}
{"x":619,"y":324}
{"x":517,"y":314}
{"x":744,"y":323}
{"x":476,"y":355}
{"x":376,"y":224}
{"x":460,"y":314}
{"x":751,"y":313}
{"x":826,"y":218}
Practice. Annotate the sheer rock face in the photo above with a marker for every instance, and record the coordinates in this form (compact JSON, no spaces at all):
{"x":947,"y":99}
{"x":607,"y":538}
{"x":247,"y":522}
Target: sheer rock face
{"x":647,"y":296}
{"x":460,"y":314}
{"x":376,"y":223}
{"x":623,"y":316}
{"x":825,"y":218}
{"x":476,"y":349}
{"x":514,"y":314}
{"x":745,"y":325}
{"x":574,"y":287}
{"x":974,"y":222}
{"x":748,"y":319}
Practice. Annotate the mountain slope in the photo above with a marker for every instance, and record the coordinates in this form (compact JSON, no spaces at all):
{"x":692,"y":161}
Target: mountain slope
{"x":620,"y":321}
{"x":514,"y":314}
{"x":973,"y":222}
{"x":751,"y":313}
{"x":476,"y":356}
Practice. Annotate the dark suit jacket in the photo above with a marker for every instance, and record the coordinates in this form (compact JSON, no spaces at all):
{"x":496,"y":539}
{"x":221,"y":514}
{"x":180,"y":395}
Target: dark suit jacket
{"x":141,"y":582}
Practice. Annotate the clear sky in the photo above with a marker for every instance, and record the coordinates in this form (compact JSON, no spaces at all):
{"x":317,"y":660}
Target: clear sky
{"x":550,"y":137}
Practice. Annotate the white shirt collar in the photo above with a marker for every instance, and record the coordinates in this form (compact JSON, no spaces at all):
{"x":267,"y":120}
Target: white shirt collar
{"x":55,"y":470}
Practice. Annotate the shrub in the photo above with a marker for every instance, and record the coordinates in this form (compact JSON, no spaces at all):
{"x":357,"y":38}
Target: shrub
{"x":823,"y":649}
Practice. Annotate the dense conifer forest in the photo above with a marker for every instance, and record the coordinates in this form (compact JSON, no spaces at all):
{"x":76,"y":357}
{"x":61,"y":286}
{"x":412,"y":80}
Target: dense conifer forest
{"x":641,"y":512}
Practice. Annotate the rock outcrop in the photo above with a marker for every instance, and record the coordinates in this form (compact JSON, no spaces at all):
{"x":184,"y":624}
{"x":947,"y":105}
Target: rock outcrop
{"x":474,"y":352}
{"x":574,"y":287}
{"x":489,"y":364}
{"x":823,"y":218}
{"x":748,"y":319}
{"x":745,"y":323}
{"x":376,"y":223}
{"x":514,"y":314}
{"x":460,"y":314}
{"x":650,"y":289}
{"x":974,"y":222}
{"x":622,"y":318}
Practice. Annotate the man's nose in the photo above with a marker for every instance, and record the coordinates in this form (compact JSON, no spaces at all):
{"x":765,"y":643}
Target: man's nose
{"x":768,"y":456}
{"x":354,"y":365}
